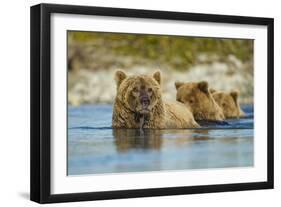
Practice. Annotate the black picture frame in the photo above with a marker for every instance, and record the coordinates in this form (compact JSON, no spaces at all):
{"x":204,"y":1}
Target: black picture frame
{"x":41,"y":98}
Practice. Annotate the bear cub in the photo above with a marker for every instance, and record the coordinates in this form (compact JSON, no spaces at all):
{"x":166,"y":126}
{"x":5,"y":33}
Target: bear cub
{"x":199,"y":100}
{"x":229,"y":103}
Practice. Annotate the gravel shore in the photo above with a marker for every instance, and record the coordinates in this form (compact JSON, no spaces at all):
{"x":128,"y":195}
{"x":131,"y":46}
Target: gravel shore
{"x":98,"y":86}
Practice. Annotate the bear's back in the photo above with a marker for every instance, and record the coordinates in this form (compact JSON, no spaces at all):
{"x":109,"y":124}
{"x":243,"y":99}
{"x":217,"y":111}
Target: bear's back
{"x":177,"y":115}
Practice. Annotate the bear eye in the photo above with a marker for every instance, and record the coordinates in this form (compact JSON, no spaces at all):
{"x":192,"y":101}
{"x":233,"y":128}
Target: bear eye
{"x":190,"y":101}
{"x":135,"y":89}
{"x":223,"y":104}
{"x":149,"y":90}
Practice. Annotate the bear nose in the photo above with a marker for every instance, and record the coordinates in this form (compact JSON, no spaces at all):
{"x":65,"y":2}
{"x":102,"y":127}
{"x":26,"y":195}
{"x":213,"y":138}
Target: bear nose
{"x":144,"y":101}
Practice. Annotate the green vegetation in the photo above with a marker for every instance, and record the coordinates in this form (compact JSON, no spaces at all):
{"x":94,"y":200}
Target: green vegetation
{"x":179,"y":52}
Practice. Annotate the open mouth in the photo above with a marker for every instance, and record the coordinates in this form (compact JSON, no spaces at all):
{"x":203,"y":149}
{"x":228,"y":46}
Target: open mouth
{"x":144,"y":104}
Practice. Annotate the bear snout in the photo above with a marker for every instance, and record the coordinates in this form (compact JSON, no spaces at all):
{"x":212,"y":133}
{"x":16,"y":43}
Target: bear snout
{"x":144,"y":100}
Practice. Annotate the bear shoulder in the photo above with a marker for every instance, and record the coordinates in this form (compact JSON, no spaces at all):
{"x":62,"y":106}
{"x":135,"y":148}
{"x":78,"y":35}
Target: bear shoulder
{"x":178,"y":116}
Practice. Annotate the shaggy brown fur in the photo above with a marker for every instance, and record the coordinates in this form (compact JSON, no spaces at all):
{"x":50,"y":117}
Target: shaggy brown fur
{"x":229,"y":103}
{"x":139,"y":104}
{"x":198,"y":99}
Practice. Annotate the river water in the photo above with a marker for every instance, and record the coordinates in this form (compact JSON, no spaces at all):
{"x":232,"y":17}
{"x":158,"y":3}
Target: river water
{"x":94,"y":147}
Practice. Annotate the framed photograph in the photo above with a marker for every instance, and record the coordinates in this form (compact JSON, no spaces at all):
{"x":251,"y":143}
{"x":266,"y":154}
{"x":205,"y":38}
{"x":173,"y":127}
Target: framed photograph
{"x":133,"y":103}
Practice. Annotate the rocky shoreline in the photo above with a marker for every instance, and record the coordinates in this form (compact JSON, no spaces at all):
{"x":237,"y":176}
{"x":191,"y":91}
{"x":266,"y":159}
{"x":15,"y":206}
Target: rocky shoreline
{"x":98,"y":86}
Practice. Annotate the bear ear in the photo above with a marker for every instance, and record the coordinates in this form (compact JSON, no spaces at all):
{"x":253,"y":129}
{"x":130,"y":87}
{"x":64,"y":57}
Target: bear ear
{"x":157,"y":76}
{"x":204,"y":86}
{"x":212,"y":90}
{"x":178,"y":84}
{"x":120,"y":75}
{"x":234,"y":95}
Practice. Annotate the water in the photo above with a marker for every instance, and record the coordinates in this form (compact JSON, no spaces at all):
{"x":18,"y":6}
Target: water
{"x":94,"y":147}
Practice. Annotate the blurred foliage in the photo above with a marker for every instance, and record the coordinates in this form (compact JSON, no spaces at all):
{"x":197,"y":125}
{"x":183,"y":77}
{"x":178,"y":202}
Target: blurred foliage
{"x":180,"y":52}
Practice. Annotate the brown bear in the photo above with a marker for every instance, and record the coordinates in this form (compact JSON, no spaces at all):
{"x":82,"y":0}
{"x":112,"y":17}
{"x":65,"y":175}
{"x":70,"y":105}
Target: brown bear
{"x":138,"y":104}
{"x":229,"y":103}
{"x":198,"y":99}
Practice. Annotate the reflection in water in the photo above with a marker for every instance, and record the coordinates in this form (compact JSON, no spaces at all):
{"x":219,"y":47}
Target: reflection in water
{"x":96,"y":148}
{"x":130,"y":139}
{"x":129,"y":150}
{"x":126,"y":139}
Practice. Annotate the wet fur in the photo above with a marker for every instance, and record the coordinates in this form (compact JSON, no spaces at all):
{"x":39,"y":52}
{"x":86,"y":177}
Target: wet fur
{"x":162,"y":115}
{"x":197,"y":97}
{"x":229,"y":103}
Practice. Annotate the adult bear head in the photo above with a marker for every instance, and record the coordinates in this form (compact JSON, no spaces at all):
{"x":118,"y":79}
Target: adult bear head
{"x":138,"y":93}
